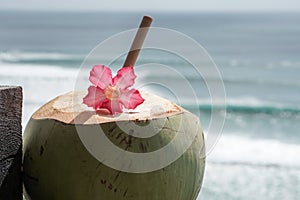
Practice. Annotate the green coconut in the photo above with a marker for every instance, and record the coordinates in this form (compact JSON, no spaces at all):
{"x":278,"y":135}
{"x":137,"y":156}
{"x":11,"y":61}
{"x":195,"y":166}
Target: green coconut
{"x":57,"y":165}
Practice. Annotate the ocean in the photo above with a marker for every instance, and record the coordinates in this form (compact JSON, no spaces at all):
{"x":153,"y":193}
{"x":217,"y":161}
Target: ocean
{"x":257,"y":54}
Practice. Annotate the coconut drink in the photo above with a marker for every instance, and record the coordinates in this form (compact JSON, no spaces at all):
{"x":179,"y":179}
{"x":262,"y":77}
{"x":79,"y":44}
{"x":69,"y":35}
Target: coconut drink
{"x":84,"y":145}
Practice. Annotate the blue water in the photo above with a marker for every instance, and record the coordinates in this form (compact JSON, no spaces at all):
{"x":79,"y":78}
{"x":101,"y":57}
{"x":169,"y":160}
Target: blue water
{"x":257,"y":156}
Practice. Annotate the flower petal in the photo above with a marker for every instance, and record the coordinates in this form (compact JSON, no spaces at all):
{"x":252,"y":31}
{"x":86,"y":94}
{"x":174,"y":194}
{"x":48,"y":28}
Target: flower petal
{"x":131,"y":98}
{"x":101,"y":76}
{"x":124,"y":78}
{"x":114,"y":106}
{"x":95,"y":97}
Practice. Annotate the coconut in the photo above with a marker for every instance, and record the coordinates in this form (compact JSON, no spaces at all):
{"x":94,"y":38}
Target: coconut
{"x":58,"y":164}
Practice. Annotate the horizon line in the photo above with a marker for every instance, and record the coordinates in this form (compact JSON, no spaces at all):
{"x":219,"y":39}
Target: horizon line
{"x":186,"y":11}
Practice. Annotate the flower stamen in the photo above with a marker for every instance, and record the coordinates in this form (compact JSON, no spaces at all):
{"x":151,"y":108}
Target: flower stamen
{"x":112,"y":93}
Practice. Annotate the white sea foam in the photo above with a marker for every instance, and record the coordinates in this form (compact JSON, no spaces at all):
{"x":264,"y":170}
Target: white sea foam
{"x":35,"y":71}
{"x":236,"y":102}
{"x":251,"y":101}
{"x":233,"y":149}
{"x":14,"y":56}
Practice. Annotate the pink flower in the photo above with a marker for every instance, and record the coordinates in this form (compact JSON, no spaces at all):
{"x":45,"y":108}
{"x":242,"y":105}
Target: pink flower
{"x":112,"y":93}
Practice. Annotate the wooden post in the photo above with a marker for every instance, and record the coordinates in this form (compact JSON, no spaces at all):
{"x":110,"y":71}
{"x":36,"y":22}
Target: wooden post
{"x":10,"y":143}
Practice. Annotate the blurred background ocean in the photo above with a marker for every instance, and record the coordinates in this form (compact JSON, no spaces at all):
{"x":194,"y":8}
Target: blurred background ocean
{"x":257,"y":53}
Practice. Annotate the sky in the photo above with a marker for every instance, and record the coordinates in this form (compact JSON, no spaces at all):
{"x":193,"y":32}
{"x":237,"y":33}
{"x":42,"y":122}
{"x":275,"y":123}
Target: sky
{"x":153,"y":5}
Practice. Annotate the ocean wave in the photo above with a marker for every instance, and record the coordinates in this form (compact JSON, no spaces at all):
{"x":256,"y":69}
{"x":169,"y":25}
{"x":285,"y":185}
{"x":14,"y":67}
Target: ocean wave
{"x":234,"y":149}
{"x":14,"y":70}
{"x":17,"y":56}
{"x":189,"y":73}
{"x":196,"y":78}
{"x":241,"y":105}
{"x":32,"y":58}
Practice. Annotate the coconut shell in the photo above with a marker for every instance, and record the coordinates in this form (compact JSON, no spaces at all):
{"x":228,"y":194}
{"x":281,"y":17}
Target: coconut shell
{"x":57,"y":165}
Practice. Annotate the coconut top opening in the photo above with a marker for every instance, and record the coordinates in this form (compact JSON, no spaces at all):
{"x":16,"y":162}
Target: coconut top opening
{"x":69,"y":109}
